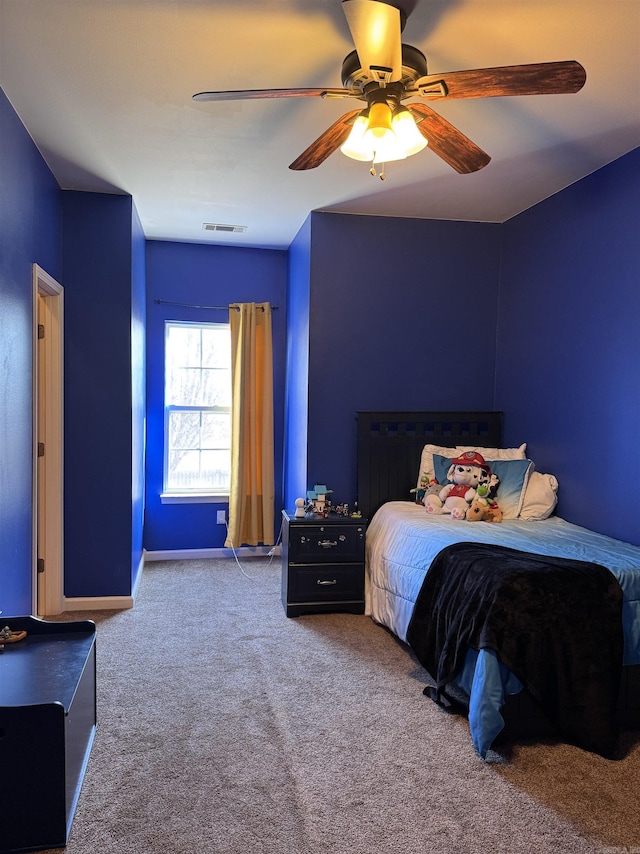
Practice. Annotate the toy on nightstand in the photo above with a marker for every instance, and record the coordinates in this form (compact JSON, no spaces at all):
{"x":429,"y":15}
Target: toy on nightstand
{"x":299,"y":514}
{"x":318,"y":501}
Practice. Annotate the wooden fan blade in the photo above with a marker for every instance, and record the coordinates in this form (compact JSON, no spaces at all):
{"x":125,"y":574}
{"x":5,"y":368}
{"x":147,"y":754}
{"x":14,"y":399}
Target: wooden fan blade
{"x":250,"y":94}
{"x":447,"y":141}
{"x":377,"y":35}
{"x":326,"y":144}
{"x":542,"y":78}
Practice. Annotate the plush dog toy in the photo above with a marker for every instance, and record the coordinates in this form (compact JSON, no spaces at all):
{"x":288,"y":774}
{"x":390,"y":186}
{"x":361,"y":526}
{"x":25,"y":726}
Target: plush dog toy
{"x":465,"y":474}
{"x":491,"y":485}
{"x":484,"y":508}
{"x":481,"y":510}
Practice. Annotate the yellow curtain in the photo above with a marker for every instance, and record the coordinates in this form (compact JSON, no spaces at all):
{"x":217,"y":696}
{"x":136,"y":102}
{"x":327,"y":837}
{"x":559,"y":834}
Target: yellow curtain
{"x":251,"y":496}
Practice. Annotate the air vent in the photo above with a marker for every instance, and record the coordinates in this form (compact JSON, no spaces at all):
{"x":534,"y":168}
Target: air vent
{"x":229,"y":229}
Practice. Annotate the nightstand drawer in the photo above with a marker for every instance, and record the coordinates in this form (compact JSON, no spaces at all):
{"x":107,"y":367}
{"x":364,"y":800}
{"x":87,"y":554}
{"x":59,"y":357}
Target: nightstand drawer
{"x":326,"y":583}
{"x":326,"y":543}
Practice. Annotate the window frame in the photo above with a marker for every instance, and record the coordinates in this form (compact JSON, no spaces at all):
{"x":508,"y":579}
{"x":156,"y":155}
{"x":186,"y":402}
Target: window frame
{"x":175,"y":495}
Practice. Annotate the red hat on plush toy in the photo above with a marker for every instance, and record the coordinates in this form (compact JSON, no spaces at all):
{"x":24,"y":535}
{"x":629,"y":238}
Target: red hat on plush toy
{"x":471,"y":458}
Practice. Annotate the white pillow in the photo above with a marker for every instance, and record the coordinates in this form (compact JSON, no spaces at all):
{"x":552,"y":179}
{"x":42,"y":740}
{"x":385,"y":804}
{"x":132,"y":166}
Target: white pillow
{"x":540,"y":497}
{"x":426,"y":459}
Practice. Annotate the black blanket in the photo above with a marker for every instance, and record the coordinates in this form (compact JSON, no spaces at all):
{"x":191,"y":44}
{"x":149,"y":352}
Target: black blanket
{"x":556,"y":623}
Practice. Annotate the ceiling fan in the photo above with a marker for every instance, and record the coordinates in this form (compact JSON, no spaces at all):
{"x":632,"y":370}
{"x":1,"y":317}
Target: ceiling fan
{"x":383,"y":72}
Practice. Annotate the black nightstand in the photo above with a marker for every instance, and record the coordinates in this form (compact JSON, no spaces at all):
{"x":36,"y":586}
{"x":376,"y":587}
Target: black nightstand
{"x":322,"y":564}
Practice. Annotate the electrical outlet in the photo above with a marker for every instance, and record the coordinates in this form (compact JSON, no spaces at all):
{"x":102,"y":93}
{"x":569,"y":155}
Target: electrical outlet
{"x":222,"y":517}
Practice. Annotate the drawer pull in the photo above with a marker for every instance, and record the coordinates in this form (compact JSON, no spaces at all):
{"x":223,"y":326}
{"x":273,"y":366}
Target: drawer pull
{"x":320,"y":581}
{"x":327,"y":544}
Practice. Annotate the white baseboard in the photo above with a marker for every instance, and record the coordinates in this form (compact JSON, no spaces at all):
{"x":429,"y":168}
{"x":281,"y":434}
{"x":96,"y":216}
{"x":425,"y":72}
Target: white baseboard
{"x":105,"y":603}
{"x":97,"y":603}
{"x":203,"y":554}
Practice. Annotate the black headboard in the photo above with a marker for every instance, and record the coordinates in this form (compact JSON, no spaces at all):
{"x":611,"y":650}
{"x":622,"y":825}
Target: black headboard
{"x":390,"y":444}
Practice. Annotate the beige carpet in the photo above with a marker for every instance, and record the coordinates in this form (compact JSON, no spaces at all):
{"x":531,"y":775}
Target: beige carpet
{"x":225,"y":727}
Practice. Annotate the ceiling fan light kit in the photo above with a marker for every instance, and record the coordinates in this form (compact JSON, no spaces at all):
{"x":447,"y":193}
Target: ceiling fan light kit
{"x":380,"y":136}
{"x":383,"y":72}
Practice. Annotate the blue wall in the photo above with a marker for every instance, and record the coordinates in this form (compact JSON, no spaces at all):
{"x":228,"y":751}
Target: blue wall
{"x":29,"y":233}
{"x":402,"y":316}
{"x":138,"y":392}
{"x":200,"y":275}
{"x":568,"y":351}
{"x":103,"y":300}
{"x":297,"y":378}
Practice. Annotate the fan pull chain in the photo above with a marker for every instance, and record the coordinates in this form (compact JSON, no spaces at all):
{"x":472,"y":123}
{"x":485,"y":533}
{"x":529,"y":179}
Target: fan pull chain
{"x":373,"y":172}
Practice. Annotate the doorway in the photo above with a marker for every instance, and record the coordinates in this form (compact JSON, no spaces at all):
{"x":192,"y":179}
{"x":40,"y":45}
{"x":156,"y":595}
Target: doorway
{"x":47,"y":537}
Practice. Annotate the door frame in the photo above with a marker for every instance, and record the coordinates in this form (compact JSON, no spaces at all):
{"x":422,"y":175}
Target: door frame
{"x":48,"y":427}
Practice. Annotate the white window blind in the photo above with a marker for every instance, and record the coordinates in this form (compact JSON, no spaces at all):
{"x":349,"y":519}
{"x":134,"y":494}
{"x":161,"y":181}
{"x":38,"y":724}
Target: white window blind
{"x":197,"y":410}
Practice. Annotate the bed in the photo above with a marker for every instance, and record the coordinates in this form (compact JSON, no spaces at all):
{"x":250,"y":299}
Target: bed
{"x":395,"y":449}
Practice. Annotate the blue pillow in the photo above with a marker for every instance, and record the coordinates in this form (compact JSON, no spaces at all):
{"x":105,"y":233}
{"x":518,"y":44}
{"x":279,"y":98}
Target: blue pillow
{"x":513,"y":474}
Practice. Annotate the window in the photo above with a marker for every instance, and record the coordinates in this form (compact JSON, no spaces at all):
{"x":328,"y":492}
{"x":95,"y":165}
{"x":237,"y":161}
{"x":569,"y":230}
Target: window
{"x":197,"y":408}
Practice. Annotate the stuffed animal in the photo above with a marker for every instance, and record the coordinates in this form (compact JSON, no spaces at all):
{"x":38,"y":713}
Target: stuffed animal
{"x":492,"y":484}
{"x":482,"y":510}
{"x":465,"y":474}
{"x":427,"y":487}
{"x":495,"y":511}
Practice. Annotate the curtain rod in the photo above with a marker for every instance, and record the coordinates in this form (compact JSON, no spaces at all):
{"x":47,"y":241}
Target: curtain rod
{"x":214,"y":307}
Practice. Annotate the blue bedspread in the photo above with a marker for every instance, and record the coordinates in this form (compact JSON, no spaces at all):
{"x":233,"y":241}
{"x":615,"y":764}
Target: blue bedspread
{"x":402,"y":540}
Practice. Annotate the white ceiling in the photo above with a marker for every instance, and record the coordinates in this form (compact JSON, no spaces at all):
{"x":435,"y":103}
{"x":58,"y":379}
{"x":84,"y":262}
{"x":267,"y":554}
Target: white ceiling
{"x":104,"y":88}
